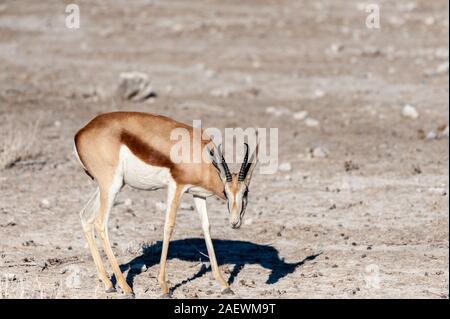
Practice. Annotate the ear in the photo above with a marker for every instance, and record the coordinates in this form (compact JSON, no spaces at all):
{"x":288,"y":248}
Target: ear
{"x":253,"y":161}
{"x":217,"y":161}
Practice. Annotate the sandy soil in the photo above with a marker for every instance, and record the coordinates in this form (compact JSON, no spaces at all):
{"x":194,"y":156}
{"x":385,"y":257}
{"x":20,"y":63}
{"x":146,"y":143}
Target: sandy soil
{"x":376,"y":227}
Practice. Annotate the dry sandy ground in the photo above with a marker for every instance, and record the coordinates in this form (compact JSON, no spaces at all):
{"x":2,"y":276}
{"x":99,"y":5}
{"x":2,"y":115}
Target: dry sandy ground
{"x":375,"y":228}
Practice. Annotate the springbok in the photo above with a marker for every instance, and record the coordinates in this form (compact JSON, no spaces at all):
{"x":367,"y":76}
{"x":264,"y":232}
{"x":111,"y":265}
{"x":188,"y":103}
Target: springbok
{"x":134,"y":148}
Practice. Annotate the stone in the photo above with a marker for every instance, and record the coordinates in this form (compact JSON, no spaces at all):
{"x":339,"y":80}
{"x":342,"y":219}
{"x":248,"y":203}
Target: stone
{"x":310,"y":122}
{"x":300,"y":116}
{"x":285,"y":167}
{"x":134,"y":86}
{"x":410,"y":112}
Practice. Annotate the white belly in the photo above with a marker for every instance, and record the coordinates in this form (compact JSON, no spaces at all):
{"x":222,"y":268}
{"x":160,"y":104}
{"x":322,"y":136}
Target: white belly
{"x":139,"y":174}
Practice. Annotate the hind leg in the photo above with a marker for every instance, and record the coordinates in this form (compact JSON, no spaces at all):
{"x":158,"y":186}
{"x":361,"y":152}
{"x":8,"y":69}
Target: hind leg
{"x":87,"y":216}
{"x":108,"y":192}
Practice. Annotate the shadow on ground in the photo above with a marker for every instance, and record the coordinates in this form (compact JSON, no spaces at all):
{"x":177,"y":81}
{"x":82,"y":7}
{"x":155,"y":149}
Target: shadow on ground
{"x":232,"y":252}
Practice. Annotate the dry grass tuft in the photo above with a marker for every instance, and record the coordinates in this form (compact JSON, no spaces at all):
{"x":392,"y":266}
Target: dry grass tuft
{"x":17,"y":143}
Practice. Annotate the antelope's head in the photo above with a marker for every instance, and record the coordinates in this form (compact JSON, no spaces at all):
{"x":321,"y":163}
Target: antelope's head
{"x":236,"y":185}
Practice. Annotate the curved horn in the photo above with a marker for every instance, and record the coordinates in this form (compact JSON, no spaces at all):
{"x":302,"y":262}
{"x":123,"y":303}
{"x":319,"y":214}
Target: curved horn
{"x":224,"y":165}
{"x":243,"y":170}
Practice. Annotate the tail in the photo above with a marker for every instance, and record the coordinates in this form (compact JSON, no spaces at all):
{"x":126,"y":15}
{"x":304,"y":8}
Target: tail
{"x":79,"y":159}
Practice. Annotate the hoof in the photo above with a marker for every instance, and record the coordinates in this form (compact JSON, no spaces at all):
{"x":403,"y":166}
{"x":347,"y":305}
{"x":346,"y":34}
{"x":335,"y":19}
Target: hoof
{"x":129,"y":296}
{"x":110,"y":290}
{"x":166,"y":296}
{"x":227,"y":291}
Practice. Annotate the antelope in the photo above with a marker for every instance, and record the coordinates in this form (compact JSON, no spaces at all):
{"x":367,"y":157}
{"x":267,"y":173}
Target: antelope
{"x":134,"y":148}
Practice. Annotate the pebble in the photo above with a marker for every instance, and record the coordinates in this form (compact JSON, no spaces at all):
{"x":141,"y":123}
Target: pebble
{"x":277,"y":111}
{"x":442,"y":132}
{"x":134,"y":86}
{"x":45,"y":203}
{"x":429,"y":21}
{"x":442,"y":53}
{"x":256,"y":64}
{"x":285,"y":167}
{"x":431,"y":135}
{"x":319,"y":93}
{"x":442,"y":68}
{"x":140,"y":267}
{"x":410,"y":112}
{"x":319,"y":152}
{"x":310,"y":122}
{"x":128,"y":202}
{"x":336,"y":47}
{"x":300,"y":115}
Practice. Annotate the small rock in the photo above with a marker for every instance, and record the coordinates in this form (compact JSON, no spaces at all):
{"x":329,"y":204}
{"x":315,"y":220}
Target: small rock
{"x":410,"y":112}
{"x":300,"y":115}
{"x":248,"y":221}
{"x":285,"y":167}
{"x":442,"y":53}
{"x":277,"y":111}
{"x":134,"y":86}
{"x":417,"y":169}
{"x":319,"y":152}
{"x":350,"y":166}
{"x":410,"y":6}
{"x":45,"y":203}
{"x":371,"y":51}
{"x":429,"y":21}
{"x":431,"y":135}
{"x":139,"y":267}
{"x":319,"y":93}
{"x":336,"y":47}
{"x":442,"y":68}
{"x":310,"y":122}
{"x":256,"y":64}
{"x":128,"y":202}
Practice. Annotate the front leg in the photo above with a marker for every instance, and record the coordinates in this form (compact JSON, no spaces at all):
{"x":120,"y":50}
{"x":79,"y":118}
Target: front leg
{"x":173,"y":199}
{"x":200,"y":203}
